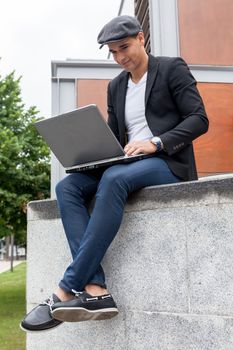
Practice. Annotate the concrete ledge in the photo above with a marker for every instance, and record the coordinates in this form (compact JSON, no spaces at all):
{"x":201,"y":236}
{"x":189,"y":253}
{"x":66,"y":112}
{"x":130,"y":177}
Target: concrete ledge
{"x":206,"y":191}
{"x":169,"y":268}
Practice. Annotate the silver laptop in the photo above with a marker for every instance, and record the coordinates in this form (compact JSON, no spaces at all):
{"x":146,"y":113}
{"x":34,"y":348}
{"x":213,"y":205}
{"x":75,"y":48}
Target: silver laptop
{"x":82,"y":140}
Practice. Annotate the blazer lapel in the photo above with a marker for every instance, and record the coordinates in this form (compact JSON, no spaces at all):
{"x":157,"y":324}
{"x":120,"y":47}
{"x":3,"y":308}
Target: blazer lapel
{"x":121,"y":96}
{"x":151,"y":75}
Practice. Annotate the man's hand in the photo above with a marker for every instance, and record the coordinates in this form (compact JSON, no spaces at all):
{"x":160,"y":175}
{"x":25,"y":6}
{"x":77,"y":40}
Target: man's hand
{"x":137,"y":147}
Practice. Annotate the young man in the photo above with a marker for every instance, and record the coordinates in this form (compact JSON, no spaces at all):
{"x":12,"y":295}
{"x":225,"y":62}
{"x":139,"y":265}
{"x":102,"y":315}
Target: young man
{"x":154,"y":108}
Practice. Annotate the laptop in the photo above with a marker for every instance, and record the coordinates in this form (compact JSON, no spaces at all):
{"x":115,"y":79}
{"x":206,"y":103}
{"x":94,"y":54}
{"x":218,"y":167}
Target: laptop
{"x":82,"y":140}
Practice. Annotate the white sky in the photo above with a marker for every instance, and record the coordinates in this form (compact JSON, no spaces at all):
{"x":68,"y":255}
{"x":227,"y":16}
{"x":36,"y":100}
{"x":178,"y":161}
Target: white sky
{"x":34,"y":32}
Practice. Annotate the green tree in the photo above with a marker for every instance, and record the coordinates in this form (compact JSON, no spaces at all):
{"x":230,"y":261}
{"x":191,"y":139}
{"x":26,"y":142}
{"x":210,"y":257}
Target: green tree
{"x":24,"y":160}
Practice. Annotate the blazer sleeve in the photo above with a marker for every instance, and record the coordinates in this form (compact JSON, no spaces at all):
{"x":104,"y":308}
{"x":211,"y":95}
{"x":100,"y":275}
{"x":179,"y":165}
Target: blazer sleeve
{"x":193,"y":118}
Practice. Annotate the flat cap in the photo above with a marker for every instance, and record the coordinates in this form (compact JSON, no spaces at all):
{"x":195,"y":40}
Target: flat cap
{"x":119,"y":28}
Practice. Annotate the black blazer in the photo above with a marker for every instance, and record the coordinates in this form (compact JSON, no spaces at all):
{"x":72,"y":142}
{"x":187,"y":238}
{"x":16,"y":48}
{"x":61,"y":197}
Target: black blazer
{"x":174,"y":111}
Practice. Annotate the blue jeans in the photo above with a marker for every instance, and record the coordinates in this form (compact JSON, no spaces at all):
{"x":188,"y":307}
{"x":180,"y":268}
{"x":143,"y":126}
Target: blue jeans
{"x":89,"y":235}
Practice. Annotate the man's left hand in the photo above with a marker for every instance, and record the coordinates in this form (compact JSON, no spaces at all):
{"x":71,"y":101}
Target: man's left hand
{"x":137,"y":147}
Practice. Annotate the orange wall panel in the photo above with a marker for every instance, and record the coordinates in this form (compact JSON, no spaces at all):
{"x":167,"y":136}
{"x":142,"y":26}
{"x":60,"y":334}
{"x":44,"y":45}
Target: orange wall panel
{"x":214,"y":150}
{"x":206,"y":31}
{"x":92,"y":91}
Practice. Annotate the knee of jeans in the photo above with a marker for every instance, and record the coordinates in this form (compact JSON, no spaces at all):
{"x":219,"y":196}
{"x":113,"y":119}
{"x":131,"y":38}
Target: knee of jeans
{"x":59,"y":188}
{"x":62,"y":186}
{"x":68,"y":186}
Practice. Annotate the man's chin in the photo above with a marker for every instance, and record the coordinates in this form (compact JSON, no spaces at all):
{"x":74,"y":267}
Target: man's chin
{"x":127,"y":67}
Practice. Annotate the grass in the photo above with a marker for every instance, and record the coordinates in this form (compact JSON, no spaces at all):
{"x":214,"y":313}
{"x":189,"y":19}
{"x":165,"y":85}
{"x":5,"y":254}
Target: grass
{"x":12,"y":308}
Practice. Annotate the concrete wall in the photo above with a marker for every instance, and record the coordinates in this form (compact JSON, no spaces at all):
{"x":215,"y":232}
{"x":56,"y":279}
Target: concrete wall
{"x":169,"y":269}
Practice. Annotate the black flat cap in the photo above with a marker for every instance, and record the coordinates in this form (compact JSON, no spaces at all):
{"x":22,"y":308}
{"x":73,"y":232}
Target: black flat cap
{"x":118,"y":28}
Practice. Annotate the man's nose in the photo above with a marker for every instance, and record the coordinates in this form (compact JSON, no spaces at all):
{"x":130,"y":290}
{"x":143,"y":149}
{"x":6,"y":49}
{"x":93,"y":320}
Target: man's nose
{"x":120,"y":58}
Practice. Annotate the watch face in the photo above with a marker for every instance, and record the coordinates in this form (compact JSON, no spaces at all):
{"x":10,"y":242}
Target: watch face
{"x":155,"y":140}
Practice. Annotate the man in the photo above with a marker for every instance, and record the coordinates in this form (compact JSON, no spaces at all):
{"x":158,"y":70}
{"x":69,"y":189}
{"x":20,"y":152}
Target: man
{"x":154,"y":108}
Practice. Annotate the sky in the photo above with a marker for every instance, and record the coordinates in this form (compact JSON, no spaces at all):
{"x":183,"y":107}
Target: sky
{"x":35,"y":32}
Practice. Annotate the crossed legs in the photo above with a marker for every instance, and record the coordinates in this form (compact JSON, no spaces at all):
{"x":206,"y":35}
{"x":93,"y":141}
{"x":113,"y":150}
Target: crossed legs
{"x":89,"y":236}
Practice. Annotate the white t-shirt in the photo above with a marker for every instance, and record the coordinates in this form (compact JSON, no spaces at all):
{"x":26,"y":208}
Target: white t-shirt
{"x":136,"y":125}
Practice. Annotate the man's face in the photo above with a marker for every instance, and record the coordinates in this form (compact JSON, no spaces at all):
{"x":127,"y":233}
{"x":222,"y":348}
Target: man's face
{"x":128,"y":52}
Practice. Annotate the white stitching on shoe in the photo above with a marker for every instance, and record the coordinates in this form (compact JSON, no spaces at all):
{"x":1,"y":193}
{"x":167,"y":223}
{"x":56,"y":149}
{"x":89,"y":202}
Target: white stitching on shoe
{"x":106,"y":296}
{"x":90,"y":299}
{"x":49,"y":302}
{"x":76,"y":293}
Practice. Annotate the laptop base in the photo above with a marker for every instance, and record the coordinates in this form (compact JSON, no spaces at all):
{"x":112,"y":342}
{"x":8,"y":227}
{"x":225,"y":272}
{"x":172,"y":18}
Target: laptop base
{"x":107,"y":163}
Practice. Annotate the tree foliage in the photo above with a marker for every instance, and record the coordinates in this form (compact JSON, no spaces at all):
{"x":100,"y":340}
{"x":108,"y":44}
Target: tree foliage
{"x":24,"y":160}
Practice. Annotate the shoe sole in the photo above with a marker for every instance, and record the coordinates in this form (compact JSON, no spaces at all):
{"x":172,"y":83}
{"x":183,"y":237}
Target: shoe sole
{"x":79,"y":314}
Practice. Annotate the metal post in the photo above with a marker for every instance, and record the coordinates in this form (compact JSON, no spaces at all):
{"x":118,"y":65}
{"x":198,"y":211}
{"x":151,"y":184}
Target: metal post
{"x":12,"y":252}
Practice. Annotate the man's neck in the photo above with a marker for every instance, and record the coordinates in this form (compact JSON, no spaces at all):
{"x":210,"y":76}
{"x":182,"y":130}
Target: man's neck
{"x":141,"y":70}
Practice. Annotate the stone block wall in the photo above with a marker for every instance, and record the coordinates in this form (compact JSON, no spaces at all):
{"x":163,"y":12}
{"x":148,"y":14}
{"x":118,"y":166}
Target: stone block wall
{"x":170,"y":270}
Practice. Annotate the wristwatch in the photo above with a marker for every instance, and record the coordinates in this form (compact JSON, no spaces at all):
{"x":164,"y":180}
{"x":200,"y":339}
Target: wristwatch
{"x":157,"y":142}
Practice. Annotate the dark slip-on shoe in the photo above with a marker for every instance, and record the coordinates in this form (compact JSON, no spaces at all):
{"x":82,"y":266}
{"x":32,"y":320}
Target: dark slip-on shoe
{"x":85,"y":307}
{"x":40,"y":318}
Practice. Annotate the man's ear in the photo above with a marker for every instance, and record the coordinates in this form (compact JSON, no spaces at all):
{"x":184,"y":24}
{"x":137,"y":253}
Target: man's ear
{"x":141,"y":38}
